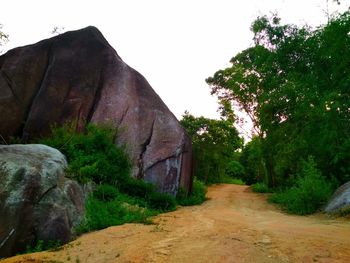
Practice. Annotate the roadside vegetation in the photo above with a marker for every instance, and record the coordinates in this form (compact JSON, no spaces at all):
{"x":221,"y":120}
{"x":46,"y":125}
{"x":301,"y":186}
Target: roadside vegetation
{"x":117,"y":197}
{"x":260,"y":188}
{"x":196,"y":197}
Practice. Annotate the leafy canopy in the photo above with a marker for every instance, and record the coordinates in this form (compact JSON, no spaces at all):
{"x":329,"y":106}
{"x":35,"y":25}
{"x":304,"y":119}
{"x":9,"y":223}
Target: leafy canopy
{"x":214,"y":144}
{"x":294,"y":85}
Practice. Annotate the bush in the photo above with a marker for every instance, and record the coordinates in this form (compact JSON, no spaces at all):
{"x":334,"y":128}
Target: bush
{"x":106,"y":193}
{"x":91,"y":155}
{"x":147,"y":191}
{"x":102,"y":214}
{"x":40,"y":245}
{"x":135,"y":187}
{"x":310,"y":192}
{"x":161,"y":202}
{"x":107,"y":207}
{"x":196,"y":197}
{"x":260,"y":188}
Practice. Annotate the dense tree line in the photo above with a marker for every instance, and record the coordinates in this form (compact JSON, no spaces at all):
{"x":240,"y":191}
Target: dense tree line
{"x":215,"y":144}
{"x":294,"y":83}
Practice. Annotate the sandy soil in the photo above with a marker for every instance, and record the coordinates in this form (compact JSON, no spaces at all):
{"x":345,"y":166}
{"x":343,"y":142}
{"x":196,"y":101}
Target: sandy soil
{"x":235,"y":225}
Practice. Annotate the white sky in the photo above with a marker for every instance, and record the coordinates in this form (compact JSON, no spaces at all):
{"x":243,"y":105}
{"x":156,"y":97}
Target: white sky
{"x":175,"y":44}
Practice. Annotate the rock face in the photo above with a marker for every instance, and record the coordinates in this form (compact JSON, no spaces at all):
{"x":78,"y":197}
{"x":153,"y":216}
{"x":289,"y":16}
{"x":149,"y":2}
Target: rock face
{"x":78,"y":76}
{"x":36,"y":201}
{"x":340,"y":200}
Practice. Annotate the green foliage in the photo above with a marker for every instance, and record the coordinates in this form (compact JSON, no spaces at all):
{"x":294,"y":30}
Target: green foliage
{"x":235,"y":169}
{"x":147,"y":191}
{"x":52,"y":245}
{"x":230,"y":180}
{"x":196,"y":197}
{"x":106,"y":192}
{"x":39,"y":246}
{"x":91,"y":155}
{"x":136,"y":188}
{"x":101,"y":214}
{"x":310,"y":192}
{"x":344,"y":212}
{"x":294,"y":85}
{"x":253,"y":162}
{"x":107,"y":206}
{"x":260,"y":188}
{"x":214,"y":144}
{"x":161,"y":202}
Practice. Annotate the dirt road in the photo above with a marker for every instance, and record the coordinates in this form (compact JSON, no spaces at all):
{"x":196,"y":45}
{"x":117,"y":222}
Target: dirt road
{"x":235,"y":225}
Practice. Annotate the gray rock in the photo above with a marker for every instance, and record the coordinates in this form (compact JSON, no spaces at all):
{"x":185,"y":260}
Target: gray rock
{"x":340,"y":200}
{"x":37,"y":202}
{"x":78,"y":76}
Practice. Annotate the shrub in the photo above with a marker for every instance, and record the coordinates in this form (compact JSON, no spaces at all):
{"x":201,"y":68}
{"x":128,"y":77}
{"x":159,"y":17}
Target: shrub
{"x":310,"y":192}
{"x":260,"y":188}
{"x":107,"y":207}
{"x":91,"y":155}
{"x":147,"y":191}
{"x":196,"y":197}
{"x":52,"y":245}
{"x":106,"y":192}
{"x":345,"y":212}
{"x":102,"y":214}
{"x":135,"y":187}
{"x":161,"y":202}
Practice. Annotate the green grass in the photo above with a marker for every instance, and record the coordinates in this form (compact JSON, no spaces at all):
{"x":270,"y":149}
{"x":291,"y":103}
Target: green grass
{"x":196,"y":197}
{"x":107,"y":206}
{"x":101,"y":214}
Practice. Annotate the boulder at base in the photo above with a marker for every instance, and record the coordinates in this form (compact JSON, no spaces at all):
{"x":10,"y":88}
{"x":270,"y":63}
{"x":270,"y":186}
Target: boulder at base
{"x":78,"y":76}
{"x":340,"y":201}
{"x":36,"y":201}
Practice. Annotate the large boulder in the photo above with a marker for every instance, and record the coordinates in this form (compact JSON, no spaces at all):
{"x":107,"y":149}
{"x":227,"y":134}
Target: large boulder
{"x":78,"y":76}
{"x":340,"y":201}
{"x":37,"y":202}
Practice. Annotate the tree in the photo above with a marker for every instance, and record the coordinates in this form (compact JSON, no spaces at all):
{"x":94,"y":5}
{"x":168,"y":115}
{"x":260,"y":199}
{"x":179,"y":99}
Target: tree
{"x":214,"y":144}
{"x":294,"y":84}
{"x":253,"y":162}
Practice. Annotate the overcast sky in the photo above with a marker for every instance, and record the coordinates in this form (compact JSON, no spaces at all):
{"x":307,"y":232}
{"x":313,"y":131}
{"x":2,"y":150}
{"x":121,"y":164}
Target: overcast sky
{"x":175,"y":44}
